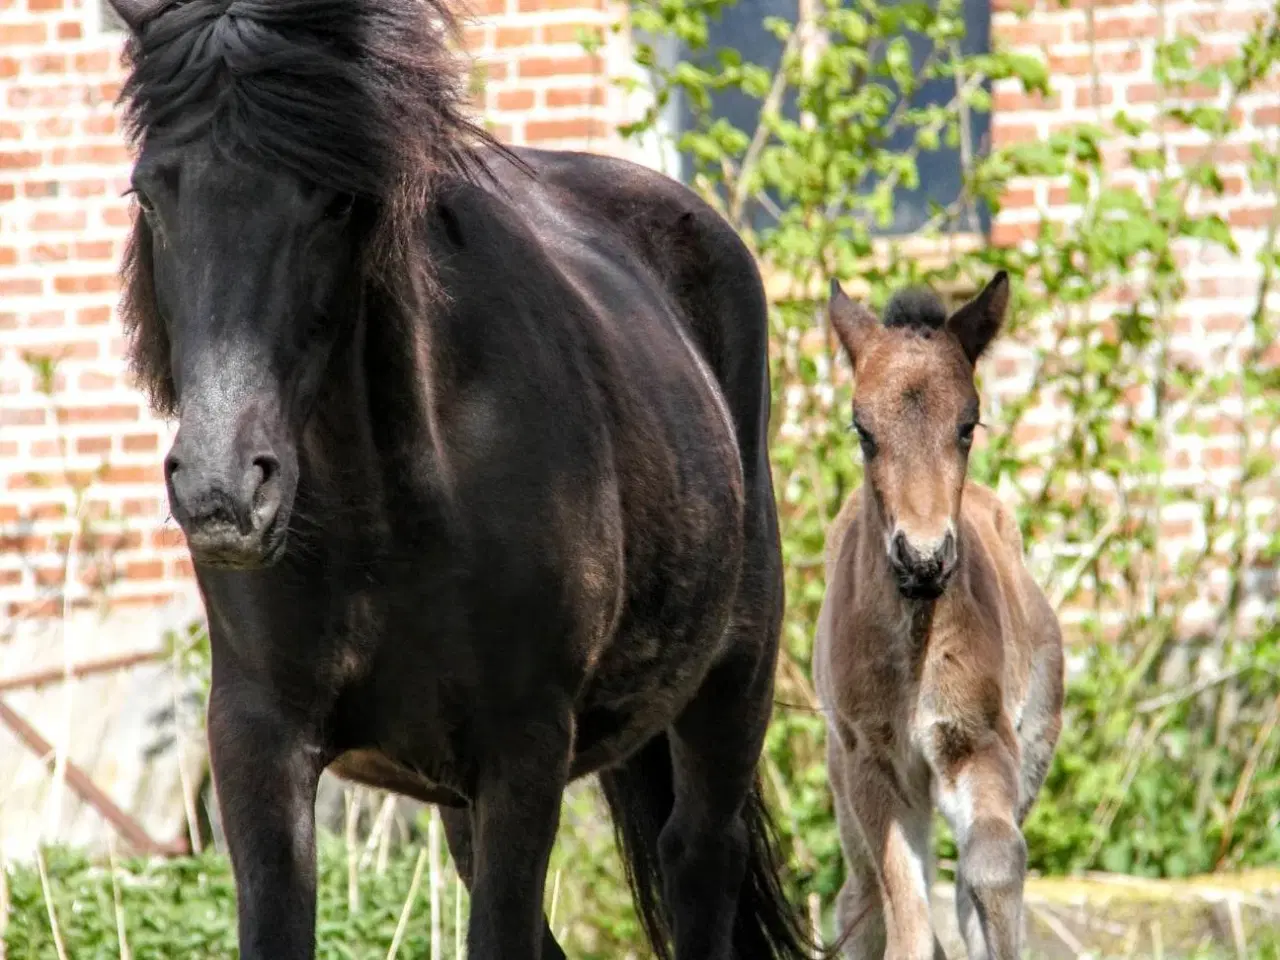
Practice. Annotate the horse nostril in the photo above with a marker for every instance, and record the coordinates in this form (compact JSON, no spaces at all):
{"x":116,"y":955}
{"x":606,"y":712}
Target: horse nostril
{"x":900,"y":551}
{"x":268,"y":467}
{"x":171,"y":465}
{"x":947,"y":554}
{"x":264,"y":487}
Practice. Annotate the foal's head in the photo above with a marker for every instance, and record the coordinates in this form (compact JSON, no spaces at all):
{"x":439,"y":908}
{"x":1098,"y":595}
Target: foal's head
{"x":285,"y":151}
{"x":915,"y":408}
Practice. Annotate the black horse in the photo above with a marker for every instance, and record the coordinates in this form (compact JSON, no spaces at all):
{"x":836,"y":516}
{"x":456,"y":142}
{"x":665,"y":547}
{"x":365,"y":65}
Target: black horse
{"x":472,"y":465}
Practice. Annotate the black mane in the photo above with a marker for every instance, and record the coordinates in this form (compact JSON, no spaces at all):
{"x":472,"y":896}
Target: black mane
{"x":360,"y":96}
{"x":917,"y":308}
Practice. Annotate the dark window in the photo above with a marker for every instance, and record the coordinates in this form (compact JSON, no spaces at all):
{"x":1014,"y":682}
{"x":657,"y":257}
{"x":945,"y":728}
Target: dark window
{"x":740,"y":27}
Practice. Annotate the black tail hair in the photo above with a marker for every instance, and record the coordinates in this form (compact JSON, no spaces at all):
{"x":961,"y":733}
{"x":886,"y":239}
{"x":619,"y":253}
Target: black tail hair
{"x":640,"y":796}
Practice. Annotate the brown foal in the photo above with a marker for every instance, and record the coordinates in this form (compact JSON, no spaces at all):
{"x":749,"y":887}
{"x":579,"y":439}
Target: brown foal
{"x":938,"y":660}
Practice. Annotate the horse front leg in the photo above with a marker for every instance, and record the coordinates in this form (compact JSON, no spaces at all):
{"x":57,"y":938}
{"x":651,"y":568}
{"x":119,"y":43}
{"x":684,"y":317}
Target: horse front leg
{"x":514,"y":819}
{"x":265,"y":772}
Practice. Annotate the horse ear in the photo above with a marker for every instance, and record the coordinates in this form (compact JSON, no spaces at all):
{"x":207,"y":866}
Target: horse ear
{"x":135,"y":13}
{"x":852,"y":320}
{"x":976,"y":324}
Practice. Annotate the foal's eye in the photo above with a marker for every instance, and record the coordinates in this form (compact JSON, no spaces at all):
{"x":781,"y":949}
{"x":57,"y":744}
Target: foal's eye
{"x":966,"y":434}
{"x":340,"y":207}
{"x":865,"y":438}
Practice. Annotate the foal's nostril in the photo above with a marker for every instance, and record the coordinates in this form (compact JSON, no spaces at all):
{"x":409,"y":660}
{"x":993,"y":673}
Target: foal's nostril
{"x":900,"y":551}
{"x":171,"y":465}
{"x":947,"y":553}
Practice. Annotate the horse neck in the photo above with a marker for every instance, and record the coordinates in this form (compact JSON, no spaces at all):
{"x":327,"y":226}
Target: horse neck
{"x":373,"y":428}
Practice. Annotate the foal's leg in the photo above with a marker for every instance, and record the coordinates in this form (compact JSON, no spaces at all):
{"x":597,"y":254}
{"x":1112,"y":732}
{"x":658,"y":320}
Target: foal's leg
{"x":265,"y":771}
{"x":703,"y":848}
{"x":859,"y":911}
{"x":895,"y":830}
{"x":979,"y":798}
{"x":515,"y":815}
{"x":457,"y":830}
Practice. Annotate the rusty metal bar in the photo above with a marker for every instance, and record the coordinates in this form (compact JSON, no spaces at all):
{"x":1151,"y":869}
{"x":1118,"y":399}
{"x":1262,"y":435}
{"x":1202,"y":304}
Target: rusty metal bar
{"x":87,"y":790}
{"x":42,"y":678}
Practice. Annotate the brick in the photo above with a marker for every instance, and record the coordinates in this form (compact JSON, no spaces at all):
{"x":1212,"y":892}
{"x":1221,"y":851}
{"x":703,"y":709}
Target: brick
{"x":44,"y":5}
{"x":515,"y":99}
{"x":141,"y":443}
{"x":48,"y":63}
{"x":572,"y":129}
{"x":99,"y":61}
{"x":140,"y":508}
{"x":538,"y":6}
{"x":81,"y":189}
{"x":93,"y":380}
{"x":168,"y":537}
{"x":95,"y":283}
{"x":21,"y":287}
{"x":1039,"y":31}
{"x":575,"y":97}
{"x":1112,"y":27}
{"x":8,"y":256}
{"x":558,"y":66}
{"x":1016,"y":100}
{"x":9,"y":67}
{"x":1005,"y":134}
{"x":1009,"y":234}
{"x":514,"y":36}
{"x":20,"y":159}
{"x":10,"y":130}
{"x":8,"y":191}
{"x":105,"y":413}
{"x":93,"y":445}
{"x":70,"y":31}
{"x":1085,"y":95}
{"x":1251,"y":217}
{"x":1267,"y":116}
{"x":18,"y":34}
{"x":49,"y":252}
{"x":144,"y":570}
{"x":46,"y":319}
{"x":93,"y":316}
{"x":570,"y":33}
{"x":41,"y":188}
{"x":100,"y":126}
{"x":55,"y":220}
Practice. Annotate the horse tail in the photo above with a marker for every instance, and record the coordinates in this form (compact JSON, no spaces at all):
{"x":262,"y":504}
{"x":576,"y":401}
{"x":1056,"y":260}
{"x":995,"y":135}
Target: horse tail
{"x":767,"y":924}
{"x":640,"y":796}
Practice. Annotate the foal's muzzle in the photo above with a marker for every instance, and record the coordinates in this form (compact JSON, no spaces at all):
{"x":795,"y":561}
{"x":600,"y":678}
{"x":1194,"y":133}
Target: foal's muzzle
{"x":229,"y":502}
{"x":922,"y":569}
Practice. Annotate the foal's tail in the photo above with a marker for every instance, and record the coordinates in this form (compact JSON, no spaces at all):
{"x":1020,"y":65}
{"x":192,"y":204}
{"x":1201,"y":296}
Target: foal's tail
{"x":640,"y":797}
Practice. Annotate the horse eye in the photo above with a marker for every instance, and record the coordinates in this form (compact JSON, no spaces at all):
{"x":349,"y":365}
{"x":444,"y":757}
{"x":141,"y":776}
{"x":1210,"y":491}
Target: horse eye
{"x":143,"y":202}
{"x":865,"y":438}
{"x":966,"y":433}
{"x":340,"y":207}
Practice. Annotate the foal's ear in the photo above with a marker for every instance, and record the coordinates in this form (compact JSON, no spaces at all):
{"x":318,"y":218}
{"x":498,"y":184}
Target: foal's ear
{"x":135,"y":13}
{"x":976,"y":324}
{"x":852,"y":320}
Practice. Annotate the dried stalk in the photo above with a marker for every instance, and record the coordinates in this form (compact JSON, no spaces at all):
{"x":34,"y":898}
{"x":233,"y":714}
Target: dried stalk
{"x":436,"y":884}
{"x":47,"y":891}
{"x":116,"y":900}
{"x":403,"y":923}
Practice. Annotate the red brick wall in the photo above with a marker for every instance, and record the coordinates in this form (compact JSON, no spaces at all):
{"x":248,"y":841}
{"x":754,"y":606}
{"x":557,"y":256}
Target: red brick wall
{"x":62,"y":225}
{"x":1097,"y":70}
{"x":63,"y":167}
